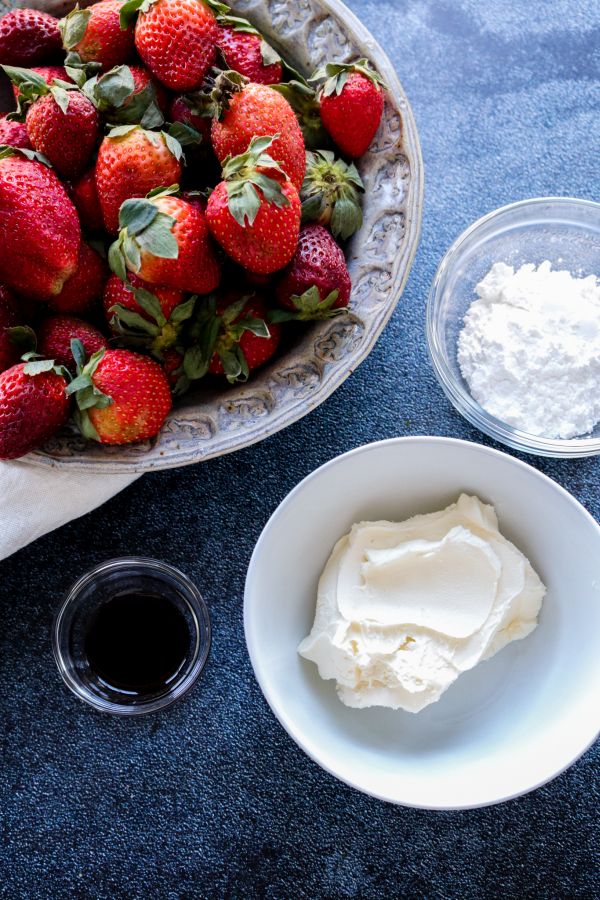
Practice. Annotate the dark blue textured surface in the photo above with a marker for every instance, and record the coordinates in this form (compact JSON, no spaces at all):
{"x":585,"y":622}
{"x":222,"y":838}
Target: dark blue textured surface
{"x":211,"y":798}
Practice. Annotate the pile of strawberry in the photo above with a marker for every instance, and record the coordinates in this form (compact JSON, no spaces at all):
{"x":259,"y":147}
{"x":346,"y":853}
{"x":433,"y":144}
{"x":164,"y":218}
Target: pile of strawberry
{"x":172,"y":193}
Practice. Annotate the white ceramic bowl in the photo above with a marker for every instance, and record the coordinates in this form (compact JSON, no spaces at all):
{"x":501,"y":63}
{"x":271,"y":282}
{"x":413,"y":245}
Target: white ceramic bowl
{"x":504,"y":728}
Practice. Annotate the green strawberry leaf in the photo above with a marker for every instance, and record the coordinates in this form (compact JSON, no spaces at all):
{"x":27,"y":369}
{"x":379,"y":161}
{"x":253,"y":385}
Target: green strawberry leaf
{"x":218,"y":8}
{"x":152,"y":117}
{"x":78,"y":351}
{"x":114,"y":88}
{"x":129,"y":318}
{"x":183,"y":311}
{"x":129,"y":13}
{"x":233,"y":366}
{"x":136,"y":214}
{"x":270,"y":189}
{"x":158,"y":238}
{"x":346,"y":218}
{"x":185,"y":134}
{"x":172,"y":144}
{"x":244,"y":202}
{"x":61,"y":97}
{"x":37,"y":366}
{"x":163,"y":191}
{"x":234,"y":310}
{"x":73,"y":27}
{"x":20,"y":77}
{"x":269,"y":56}
{"x":256,"y":326}
{"x":84,"y":424}
{"x":23,"y":337}
{"x":116,"y":259}
{"x":121,"y":131}
{"x":78,"y":75}
{"x":150,"y":304}
{"x":237,"y":24}
{"x":279,"y":316}
{"x":131,"y":252}
{"x":80,"y":383}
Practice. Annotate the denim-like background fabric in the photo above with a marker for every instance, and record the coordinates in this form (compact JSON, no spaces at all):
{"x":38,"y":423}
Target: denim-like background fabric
{"x":211,"y":798}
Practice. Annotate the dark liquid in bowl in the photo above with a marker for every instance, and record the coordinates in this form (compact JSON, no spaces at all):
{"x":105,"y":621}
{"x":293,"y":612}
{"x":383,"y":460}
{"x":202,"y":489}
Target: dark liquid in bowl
{"x":137,"y":642}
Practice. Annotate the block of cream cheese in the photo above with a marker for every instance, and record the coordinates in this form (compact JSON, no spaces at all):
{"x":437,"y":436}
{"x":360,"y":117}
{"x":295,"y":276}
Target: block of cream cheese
{"x":404,"y":608}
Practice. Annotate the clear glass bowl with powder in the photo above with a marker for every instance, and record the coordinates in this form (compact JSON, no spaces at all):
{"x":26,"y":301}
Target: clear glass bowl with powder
{"x":563,"y":230}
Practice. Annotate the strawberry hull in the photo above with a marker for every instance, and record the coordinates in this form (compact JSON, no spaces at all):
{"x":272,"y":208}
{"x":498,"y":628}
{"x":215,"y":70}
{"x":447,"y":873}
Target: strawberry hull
{"x":39,"y":229}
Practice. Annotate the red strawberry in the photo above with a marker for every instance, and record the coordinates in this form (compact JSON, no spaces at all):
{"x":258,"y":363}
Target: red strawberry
{"x":257,"y":110}
{"x":10,"y":317}
{"x":95,"y":34}
{"x":56,"y":333}
{"x":33,"y":406}
{"x":13,"y":134}
{"x":245,"y":51}
{"x":316,"y":283}
{"x":176,"y":40}
{"x":131,"y":162}
{"x":182,"y":110}
{"x":48,"y":73}
{"x":84,"y":195}
{"x":117,"y":292}
{"x":233,"y":337}
{"x":165,"y":240}
{"x":84,"y":288}
{"x":65,"y":132}
{"x":39,"y":228}
{"x":352,"y":103}
{"x":254,"y":213}
{"x":122,"y":396}
{"x":28,"y":37}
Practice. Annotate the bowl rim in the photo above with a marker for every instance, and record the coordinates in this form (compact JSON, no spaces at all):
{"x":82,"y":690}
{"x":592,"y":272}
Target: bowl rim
{"x":156,"y":459}
{"x":461,"y":399}
{"x":280,"y":714}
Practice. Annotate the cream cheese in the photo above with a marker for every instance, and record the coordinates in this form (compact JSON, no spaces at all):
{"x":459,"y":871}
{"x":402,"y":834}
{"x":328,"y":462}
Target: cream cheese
{"x":404,"y":608}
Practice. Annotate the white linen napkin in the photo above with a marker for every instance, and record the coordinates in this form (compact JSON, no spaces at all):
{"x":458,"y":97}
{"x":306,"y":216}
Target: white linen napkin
{"x":35,"y":500}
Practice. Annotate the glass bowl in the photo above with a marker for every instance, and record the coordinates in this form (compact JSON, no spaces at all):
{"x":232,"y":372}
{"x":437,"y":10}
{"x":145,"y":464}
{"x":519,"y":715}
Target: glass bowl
{"x":565,"y":231}
{"x":82,"y":603}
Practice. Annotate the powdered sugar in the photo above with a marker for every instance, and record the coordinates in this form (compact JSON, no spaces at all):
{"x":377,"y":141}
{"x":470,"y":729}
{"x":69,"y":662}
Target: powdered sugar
{"x":530,"y":349}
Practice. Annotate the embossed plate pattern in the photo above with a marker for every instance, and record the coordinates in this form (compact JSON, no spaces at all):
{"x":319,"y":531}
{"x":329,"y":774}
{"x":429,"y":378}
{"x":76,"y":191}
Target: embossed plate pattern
{"x":210,"y":423}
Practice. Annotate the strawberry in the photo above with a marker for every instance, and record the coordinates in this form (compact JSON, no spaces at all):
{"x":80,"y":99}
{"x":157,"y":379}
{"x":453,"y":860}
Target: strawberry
{"x":254,"y":213}
{"x":165,"y":240}
{"x":84,"y":195}
{"x":145,"y":320}
{"x":132,"y":161}
{"x":15,"y":337}
{"x":257,"y":110}
{"x":61,"y":123}
{"x":352,"y":103}
{"x":121,"y":396}
{"x":39,"y":227}
{"x":128,"y":95}
{"x":331,"y":193}
{"x":244,"y":50}
{"x":48,"y":73}
{"x":56,"y":333}
{"x":33,"y":406}
{"x":176,"y":39}
{"x":66,"y":135}
{"x":95,"y":34}
{"x":117,"y":292}
{"x":13,"y":134}
{"x":28,"y":37}
{"x":84,"y":288}
{"x":233,"y":337}
{"x":316,"y":284}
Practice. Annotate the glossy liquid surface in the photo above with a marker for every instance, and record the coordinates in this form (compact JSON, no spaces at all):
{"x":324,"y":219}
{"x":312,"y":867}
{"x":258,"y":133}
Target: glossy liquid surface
{"x":137,"y":642}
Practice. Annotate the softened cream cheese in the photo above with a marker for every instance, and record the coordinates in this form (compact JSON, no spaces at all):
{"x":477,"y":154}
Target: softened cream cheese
{"x":404,"y":608}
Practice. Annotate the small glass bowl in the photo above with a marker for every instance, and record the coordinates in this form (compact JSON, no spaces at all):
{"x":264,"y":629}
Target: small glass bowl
{"x":83,"y":600}
{"x":565,"y":231}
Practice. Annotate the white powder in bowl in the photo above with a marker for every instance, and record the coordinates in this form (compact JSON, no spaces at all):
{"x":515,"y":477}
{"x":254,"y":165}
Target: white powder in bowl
{"x":530,"y":349}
